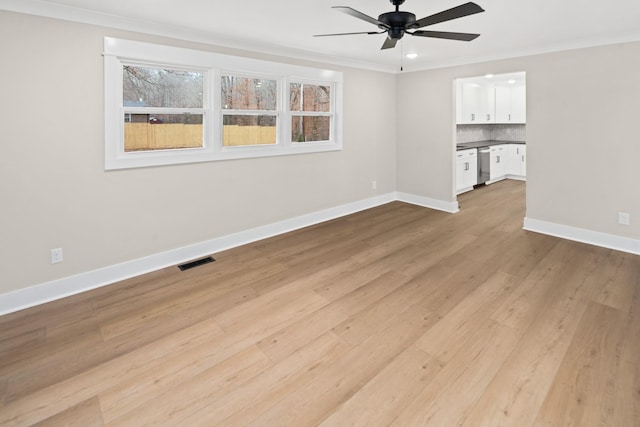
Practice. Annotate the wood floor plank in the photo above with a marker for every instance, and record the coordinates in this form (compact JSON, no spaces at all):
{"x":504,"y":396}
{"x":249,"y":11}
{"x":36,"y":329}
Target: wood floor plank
{"x":359,"y":327}
{"x":177,"y":397}
{"x":396,"y":315}
{"x":198,"y":305}
{"x":245,"y":402}
{"x":581,"y":394}
{"x":616,"y":276}
{"x":388,"y":393}
{"x":273,"y":303}
{"x":46,"y":365}
{"x":348,"y":279}
{"x":16,"y":345}
{"x":171,"y":373}
{"x":3,"y":392}
{"x":554,"y":277}
{"x":517,"y":392}
{"x":453,"y":331}
{"x":449,"y":397}
{"x":316,"y":400}
{"x":53,"y":399}
{"x":84,"y":414}
{"x":523,"y":304}
{"x":287,"y":340}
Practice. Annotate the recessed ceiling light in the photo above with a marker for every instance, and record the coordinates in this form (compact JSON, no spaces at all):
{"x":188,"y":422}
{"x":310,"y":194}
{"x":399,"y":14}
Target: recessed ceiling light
{"x":512,"y":81}
{"x":412,"y":55}
{"x":489,"y":76}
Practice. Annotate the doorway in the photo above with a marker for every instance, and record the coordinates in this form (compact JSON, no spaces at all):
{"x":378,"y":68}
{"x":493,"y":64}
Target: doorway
{"x":490,"y":138}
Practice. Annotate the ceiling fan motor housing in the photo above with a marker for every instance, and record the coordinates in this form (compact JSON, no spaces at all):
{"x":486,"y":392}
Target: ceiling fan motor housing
{"x":397,"y":22}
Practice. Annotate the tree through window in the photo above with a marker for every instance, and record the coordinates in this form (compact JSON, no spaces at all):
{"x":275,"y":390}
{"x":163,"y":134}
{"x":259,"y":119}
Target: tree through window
{"x":310,"y":106}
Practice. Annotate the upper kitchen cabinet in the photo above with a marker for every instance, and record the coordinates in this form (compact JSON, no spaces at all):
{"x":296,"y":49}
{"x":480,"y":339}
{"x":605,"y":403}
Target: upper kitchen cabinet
{"x":511,"y":104}
{"x":476,"y":103}
{"x":491,"y":99}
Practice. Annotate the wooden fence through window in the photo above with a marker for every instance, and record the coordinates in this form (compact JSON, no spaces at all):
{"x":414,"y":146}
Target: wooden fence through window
{"x":164,"y":136}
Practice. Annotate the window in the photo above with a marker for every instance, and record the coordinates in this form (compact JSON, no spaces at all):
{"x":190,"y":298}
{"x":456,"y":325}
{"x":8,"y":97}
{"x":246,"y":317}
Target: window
{"x":163,"y":108}
{"x":166,"y":105}
{"x":311,"y":112}
{"x":249,"y":111}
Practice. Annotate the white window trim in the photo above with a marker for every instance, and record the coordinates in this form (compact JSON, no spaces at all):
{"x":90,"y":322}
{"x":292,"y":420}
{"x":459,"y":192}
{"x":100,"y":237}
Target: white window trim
{"x":119,"y":51}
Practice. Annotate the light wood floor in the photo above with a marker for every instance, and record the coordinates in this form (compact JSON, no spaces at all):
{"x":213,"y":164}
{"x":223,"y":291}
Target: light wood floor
{"x":397,"y":315}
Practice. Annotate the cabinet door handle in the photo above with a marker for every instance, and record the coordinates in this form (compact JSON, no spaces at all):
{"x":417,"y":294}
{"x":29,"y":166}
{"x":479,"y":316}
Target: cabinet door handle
{"x":497,"y":159}
{"x":488,"y":117}
{"x":509,"y":117}
{"x":473,"y":117}
{"x":466,"y":166}
{"x":523,"y":157}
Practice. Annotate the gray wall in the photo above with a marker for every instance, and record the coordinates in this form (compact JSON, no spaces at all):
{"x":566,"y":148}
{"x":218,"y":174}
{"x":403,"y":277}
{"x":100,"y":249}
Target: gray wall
{"x":398,"y":130}
{"x":582,"y":147}
{"x":55,"y":192}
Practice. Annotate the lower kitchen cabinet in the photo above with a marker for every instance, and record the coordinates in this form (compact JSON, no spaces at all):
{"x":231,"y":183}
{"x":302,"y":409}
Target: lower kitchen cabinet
{"x":517,"y":161}
{"x":466,"y":170}
{"x":498,"y":156}
{"x":506,"y":161}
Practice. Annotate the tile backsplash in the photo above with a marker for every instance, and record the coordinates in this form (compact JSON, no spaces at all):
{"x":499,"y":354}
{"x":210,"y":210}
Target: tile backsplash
{"x":473,"y":133}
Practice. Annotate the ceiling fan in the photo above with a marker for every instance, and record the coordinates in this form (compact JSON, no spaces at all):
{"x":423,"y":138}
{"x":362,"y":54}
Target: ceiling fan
{"x":397,"y":23}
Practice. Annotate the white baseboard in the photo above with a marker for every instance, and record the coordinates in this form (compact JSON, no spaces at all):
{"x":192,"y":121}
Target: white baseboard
{"x":66,"y":286}
{"x":441,"y":205}
{"x":463,"y":190}
{"x":610,"y":241}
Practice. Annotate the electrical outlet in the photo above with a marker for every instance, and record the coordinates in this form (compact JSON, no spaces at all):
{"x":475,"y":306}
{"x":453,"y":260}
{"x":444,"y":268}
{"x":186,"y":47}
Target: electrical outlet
{"x":56,"y":255}
{"x":374,"y":185}
{"x":624,"y":218}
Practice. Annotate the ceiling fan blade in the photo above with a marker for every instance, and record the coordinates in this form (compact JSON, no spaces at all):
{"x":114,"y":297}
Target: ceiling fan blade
{"x":350,"y":11}
{"x":348,"y":34}
{"x":465,"y":37}
{"x":389,"y":43}
{"x":447,"y":15}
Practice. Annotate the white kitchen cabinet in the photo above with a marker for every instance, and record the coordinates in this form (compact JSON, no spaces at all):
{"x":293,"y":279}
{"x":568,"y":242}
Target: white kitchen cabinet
{"x":510,"y":104}
{"x":466,"y":170}
{"x":476,"y":104}
{"x":516,"y":161}
{"x":498,"y":158}
{"x":519,"y":104}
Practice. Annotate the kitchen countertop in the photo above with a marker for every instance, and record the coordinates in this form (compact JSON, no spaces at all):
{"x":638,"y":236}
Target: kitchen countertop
{"x":482,"y":144}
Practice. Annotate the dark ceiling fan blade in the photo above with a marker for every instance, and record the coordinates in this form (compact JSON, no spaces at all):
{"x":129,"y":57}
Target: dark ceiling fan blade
{"x":447,"y":15}
{"x":389,"y":43}
{"x":348,"y":34}
{"x":465,"y":37}
{"x":360,"y":15}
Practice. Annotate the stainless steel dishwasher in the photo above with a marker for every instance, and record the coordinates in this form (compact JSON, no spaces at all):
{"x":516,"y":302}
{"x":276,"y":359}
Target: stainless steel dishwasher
{"x":484,"y":165}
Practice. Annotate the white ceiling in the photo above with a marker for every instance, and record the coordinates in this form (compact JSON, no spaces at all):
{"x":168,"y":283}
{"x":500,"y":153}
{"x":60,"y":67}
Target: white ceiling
{"x":508,"y":27}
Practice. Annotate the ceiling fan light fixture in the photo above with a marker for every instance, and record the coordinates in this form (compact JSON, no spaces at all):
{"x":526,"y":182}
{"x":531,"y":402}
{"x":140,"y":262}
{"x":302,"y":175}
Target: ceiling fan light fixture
{"x":398,"y":23}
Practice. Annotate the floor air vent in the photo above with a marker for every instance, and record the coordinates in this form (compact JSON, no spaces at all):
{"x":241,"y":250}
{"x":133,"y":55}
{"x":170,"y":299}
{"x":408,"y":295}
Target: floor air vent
{"x":196,"y":263}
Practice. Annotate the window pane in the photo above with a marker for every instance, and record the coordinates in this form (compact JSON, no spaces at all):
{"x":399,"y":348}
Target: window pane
{"x":248,"y":130}
{"x":310,"y":128}
{"x":307,"y":97}
{"x":148,"y":132}
{"x":162,"y":87}
{"x":241,"y":93}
